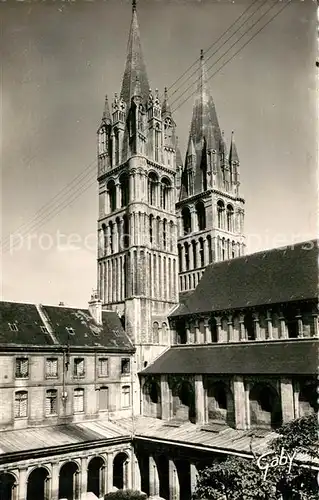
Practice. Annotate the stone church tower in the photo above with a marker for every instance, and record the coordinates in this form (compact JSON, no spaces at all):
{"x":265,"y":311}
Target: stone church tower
{"x":210,"y":208}
{"x":137,"y":225}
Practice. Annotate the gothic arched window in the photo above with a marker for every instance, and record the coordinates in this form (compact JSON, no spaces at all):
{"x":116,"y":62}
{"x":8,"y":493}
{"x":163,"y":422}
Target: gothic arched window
{"x":230,"y":218}
{"x":155,"y":332}
{"x":187,"y":221}
{"x":152,"y":185}
{"x":165,"y":187}
{"x":210,"y":250}
{"x":186,"y":246}
{"x":151,"y":221}
{"x":124,"y":186}
{"x":201,"y":252}
{"x":220,"y":214}
{"x":164,"y":234}
{"x":201,"y":216}
{"x":111,"y":236}
{"x":193,"y":243}
{"x":111,"y":189}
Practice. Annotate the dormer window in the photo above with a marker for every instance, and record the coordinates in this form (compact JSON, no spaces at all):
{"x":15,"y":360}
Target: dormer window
{"x":70,"y":330}
{"x":13,"y":327}
{"x":44,"y":329}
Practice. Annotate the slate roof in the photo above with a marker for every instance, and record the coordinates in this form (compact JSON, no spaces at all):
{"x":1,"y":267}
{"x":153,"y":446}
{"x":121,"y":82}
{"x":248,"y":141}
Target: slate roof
{"x":287,"y":357}
{"x":28,"y":322}
{"x":84,"y":331}
{"x":190,"y":435}
{"x":273,"y":276}
{"x":39,"y":438}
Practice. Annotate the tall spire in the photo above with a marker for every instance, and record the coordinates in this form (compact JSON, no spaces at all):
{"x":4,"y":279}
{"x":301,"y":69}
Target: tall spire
{"x":233,"y":154}
{"x":166,"y":109}
{"x":135,"y":67}
{"x":204,"y":123}
{"x":106,"y":118}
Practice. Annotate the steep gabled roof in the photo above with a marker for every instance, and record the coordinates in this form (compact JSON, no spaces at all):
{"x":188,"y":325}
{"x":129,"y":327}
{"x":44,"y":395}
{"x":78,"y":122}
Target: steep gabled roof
{"x":22,"y":324}
{"x":273,"y":276}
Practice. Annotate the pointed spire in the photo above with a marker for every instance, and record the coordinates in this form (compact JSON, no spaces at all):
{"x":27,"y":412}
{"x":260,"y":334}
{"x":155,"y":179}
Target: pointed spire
{"x":204,"y":120}
{"x":223,"y":146}
{"x":233,"y":154}
{"x":106,"y":118}
{"x":135,"y":66}
{"x":166,"y":109}
{"x":191,"y":148}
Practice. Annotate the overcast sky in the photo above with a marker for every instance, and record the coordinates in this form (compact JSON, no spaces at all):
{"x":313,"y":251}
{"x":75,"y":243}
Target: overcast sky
{"x":58,"y":61}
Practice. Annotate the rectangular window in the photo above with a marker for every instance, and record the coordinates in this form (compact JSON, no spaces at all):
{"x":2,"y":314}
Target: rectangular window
{"x":78,"y":402}
{"x":51,"y":402}
{"x":103,"y":367}
{"x":21,"y":404}
{"x":79,"y":367}
{"x":125,"y":366}
{"x":51,"y":368}
{"x":126,"y":396}
{"x":103,"y":398}
{"x":22,"y":368}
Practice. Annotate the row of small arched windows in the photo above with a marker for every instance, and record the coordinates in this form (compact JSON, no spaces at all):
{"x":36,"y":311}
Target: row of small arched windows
{"x":200,"y":216}
{"x":124,"y":193}
{"x":158,"y":197}
{"x":225,"y":216}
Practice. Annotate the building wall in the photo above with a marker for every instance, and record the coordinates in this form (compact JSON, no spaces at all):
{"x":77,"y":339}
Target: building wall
{"x":38,"y":382}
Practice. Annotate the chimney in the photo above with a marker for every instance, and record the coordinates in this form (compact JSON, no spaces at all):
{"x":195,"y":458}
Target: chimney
{"x":95,"y":307}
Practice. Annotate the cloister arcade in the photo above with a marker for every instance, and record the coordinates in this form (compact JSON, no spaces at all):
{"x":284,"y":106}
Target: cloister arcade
{"x":238,"y":402}
{"x":69,"y":479}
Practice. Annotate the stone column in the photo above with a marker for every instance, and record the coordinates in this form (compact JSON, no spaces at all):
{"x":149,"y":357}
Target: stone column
{"x":230,"y":332}
{"x":239,"y":402}
{"x":22,"y":494}
{"x":154,"y":479}
{"x":315,"y":324}
{"x":199,"y":400}
{"x":208,"y":333}
{"x":55,"y":481}
{"x":283,"y":329}
{"x":84,"y":475}
{"x":218,"y":327}
{"x":173,"y":481}
{"x":191,"y":256}
{"x":193,"y":477}
{"x":300,"y":324}
{"x":247,"y":404}
{"x":242,"y":332}
{"x":136,"y":474}
{"x":256,"y":325}
{"x":287,"y":400}
{"x":165,"y":398}
{"x":269,"y":325}
{"x":131,"y":186}
{"x":296,"y":390}
{"x":109,"y":471}
{"x":194,"y":220}
{"x":197,"y":333}
{"x":188,"y":334}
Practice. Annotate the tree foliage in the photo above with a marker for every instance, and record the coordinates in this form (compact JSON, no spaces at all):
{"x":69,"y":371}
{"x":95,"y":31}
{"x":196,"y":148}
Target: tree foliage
{"x":125,"y":495}
{"x":241,"y":479}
